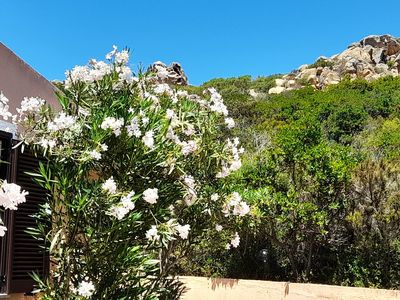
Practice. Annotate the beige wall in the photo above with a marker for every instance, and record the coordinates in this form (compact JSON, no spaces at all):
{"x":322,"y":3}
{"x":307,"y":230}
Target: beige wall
{"x":18,"y":80}
{"x":17,"y":297}
{"x":199,"y":288}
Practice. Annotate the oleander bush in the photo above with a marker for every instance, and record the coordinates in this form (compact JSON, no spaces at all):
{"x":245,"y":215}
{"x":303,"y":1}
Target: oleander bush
{"x":133,"y":170}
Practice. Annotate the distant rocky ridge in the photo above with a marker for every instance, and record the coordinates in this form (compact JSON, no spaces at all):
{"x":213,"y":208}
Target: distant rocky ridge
{"x":373,"y":57}
{"x":172,"y":74}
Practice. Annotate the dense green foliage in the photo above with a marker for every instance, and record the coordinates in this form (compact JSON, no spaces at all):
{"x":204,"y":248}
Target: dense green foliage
{"x":322,"y":175}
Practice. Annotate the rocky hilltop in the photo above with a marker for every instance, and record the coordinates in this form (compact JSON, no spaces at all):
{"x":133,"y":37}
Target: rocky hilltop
{"x":172,"y":74}
{"x":373,"y":57}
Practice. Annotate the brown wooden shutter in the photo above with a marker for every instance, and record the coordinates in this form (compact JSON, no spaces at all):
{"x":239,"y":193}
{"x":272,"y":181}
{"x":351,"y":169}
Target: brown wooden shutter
{"x":5,"y":174}
{"x":26,"y":254}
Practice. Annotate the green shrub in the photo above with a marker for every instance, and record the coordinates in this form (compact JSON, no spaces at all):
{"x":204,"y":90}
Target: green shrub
{"x":323,"y":63}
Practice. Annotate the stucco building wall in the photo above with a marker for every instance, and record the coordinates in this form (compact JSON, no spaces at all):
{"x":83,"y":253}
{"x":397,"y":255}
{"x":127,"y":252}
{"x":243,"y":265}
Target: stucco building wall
{"x":18,"y":80}
{"x":200,"y":288}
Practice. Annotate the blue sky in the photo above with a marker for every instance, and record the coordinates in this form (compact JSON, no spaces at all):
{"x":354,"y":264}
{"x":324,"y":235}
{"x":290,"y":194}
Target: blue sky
{"x":220,"y":38}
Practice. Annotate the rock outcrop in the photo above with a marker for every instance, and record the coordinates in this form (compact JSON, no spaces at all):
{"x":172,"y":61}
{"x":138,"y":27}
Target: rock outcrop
{"x":172,"y":74}
{"x":373,"y":57}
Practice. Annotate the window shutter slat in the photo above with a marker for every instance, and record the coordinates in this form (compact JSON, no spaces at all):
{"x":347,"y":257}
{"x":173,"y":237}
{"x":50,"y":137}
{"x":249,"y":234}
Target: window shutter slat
{"x":27,"y":253}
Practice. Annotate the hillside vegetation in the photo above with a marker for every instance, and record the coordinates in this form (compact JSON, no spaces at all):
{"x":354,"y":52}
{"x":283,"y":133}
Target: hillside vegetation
{"x":322,"y":175}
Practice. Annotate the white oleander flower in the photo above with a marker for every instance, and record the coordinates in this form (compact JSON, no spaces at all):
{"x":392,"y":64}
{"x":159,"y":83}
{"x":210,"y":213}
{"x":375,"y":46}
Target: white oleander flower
{"x":148,"y":139}
{"x":86,"y":289}
{"x":190,"y":185}
{"x":47,"y":209}
{"x":163,"y":88}
{"x":145,"y":121}
{"x":235,"y":165}
{"x":216,"y":102}
{"x":113,"y":124}
{"x":151,"y":97}
{"x":62,"y":121}
{"x":122,"y":57}
{"x":190,"y":198}
{"x":183,"y":230}
{"x":78,"y":73}
{"x":171,"y":209}
{"x":241,"y":209}
{"x":45,"y":143}
{"x":188,"y":147}
{"x":189,"y":130}
{"x":118,"y":211}
{"x":99,"y":70}
{"x":83,"y":111}
{"x":3,"y":230}
{"x":172,"y":136}
{"x":109,"y":186}
{"x":124,"y":74}
{"x":111,"y":54}
{"x":235,"y":206}
{"x":224,"y":172}
{"x":170,"y":113}
{"x":189,"y":181}
{"x":11,"y":195}
{"x":230,"y":123}
{"x":133,"y":128}
{"x":3,"y":98}
{"x":152,"y":233}
{"x":127,"y":202}
{"x":150,"y":195}
{"x":218,"y":228}
{"x":214,"y":197}
{"x":121,"y":209}
{"x":235,"y":197}
{"x":94,"y":154}
{"x":220,"y":108}
{"x":182,"y":94}
{"x":235,"y":241}
{"x":88,"y":74}
{"x":4,"y":107}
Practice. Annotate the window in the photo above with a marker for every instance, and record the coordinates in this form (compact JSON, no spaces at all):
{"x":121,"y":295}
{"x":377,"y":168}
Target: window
{"x":20,"y":254}
{"x":5,"y":153}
